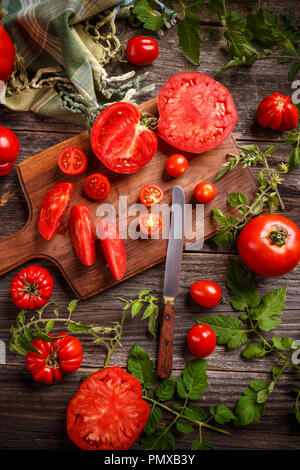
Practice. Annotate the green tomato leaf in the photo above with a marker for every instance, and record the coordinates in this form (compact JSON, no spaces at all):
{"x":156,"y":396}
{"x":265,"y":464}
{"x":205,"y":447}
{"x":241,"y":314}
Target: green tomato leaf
{"x":194,"y":378}
{"x":150,"y":18}
{"x":254,"y":350}
{"x":160,"y":440}
{"x":153,"y":420}
{"x":195,"y":412}
{"x":189,"y":34}
{"x":242,"y":287}
{"x":141,"y":366}
{"x":271,"y":306}
{"x":229,"y":330}
{"x":184,"y":426}
{"x":136,"y":307}
{"x":166,"y":389}
{"x":202,"y":445}
{"x":223,"y":415}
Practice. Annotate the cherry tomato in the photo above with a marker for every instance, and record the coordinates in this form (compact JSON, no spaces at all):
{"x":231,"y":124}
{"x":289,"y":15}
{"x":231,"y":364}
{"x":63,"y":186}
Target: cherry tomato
{"x":196,"y":113}
{"x":204,"y":192}
{"x":270,"y":245}
{"x":54,"y":359}
{"x":150,"y":224}
{"x":108,"y":411}
{"x":96,"y":186}
{"x":119,"y":139}
{"x":151,"y":194}
{"x":206,"y":293}
{"x":201,"y":340}
{"x":83,"y":234}
{"x":31,"y":288}
{"x":9,"y":148}
{"x":112,"y":247}
{"x":142,"y":50}
{"x":72,"y":161}
{"x":7,"y":54}
{"x":277,"y":112}
{"x":54,"y":208}
{"x":176,"y":165}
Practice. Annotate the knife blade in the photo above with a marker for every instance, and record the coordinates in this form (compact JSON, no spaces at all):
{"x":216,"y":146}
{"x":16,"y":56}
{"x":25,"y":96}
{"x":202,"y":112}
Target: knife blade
{"x":171,"y":283}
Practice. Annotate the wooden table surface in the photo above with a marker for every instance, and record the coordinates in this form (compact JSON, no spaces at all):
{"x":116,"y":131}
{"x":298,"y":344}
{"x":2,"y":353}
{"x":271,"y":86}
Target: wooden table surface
{"x":32,"y":416}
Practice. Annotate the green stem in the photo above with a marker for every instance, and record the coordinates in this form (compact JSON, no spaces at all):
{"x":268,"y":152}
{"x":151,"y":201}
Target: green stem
{"x":270,"y":172}
{"x":116,"y":341}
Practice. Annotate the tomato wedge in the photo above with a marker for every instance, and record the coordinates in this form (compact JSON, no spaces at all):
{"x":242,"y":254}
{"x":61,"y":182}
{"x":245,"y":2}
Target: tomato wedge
{"x":54,"y":208}
{"x":83,"y":234}
{"x":96,"y":186}
{"x":151,"y":194}
{"x":196,"y":113}
{"x":150,"y":224}
{"x":72,"y":161}
{"x":120,"y":141}
{"x":108,"y":411}
{"x":112,"y":248}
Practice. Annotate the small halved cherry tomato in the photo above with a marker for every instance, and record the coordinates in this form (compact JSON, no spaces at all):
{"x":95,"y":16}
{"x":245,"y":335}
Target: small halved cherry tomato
{"x":205,"y":192}
{"x":176,"y":165}
{"x":150,"y":224}
{"x":201,"y":340}
{"x":72,"y":161}
{"x":151,"y":194}
{"x":142,"y":50}
{"x":96,"y":186}
{"x":277,"y":112}
{"x":206,"y":293}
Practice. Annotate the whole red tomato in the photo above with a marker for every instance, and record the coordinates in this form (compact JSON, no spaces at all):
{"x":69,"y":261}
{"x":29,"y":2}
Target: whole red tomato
{"x":120,"y":140}
{"x":206,"y":293}
{"x":201,"y":340}
{"x":31,"y":288}
{"x":9,"y":149}
{"x":277,"y":112}
{"x":142,"y":50}
{"x":205,"y":192}
{"x":7,"y":54}
{"x":176,"y":165}
{"x":108,"y":411}
{"x":56,"y":358}
{"x":270,"y":245}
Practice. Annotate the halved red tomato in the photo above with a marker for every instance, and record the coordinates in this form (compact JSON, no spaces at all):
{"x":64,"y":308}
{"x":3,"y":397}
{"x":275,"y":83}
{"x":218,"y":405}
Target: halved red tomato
{"x":83,"y":234}
{"x":196,"y":113}
{"x":54,"y":208}
{"x":112,"y":248}
{"x":108,"y":411}
{"x":151,"y":194}
{"x":72,"y":161}
{"x":119,"y":139}
{"x":96,"y":186}
{"x":150,"y":224}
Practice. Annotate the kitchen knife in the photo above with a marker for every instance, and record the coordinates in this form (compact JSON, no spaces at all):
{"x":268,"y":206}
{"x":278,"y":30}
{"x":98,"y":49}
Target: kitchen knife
{"x":171,"y":283}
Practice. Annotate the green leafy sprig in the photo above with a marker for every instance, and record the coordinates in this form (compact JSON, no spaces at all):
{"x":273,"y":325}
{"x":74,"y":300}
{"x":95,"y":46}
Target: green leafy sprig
{"x":293,"y":138}
{"x":267,"y":192}
{"x":257,"y":315}
{"x":186,"y":415}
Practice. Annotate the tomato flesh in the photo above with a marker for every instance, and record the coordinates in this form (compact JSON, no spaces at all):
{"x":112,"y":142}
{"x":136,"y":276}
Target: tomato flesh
{"x":112,"y":247}
{"x":108,"y":411}
{"x":72,"y":161}
{"x":120,"y":141}
{"x":83,"y":234}
{"x":150,"y":224}
{"x":96,"y":186}
{"x":151,"y":194}
{"x":201,"y":340}
{"x":196,"y":113}
{"x":54,"y":208}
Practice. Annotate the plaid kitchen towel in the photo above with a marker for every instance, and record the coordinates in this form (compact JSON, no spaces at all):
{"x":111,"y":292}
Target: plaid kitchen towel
{"x":62,"y":49}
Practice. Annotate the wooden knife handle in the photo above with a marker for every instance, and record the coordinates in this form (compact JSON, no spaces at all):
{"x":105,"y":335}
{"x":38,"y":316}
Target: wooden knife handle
{"x":165,"y":353}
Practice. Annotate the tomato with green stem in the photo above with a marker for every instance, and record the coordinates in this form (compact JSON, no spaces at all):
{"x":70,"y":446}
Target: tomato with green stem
{"x":31,"y":288}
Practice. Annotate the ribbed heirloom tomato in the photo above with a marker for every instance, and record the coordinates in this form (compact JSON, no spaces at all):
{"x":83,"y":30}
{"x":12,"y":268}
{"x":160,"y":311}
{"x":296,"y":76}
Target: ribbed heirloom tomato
{"x":54,"y":359}
{"x":31,"y":288}
{"x":108,"y":411}
{"x":270,"y":245}
{"x":277,"y":112}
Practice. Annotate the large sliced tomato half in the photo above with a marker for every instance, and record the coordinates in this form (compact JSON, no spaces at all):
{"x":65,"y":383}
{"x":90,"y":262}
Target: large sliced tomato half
{"x":54,"y":208}
{"x":119,"y":139}
{"x":112,"y":247}
{"x":196,"y":113}
{"x":83,"y":234}
{"x":108,"y":412}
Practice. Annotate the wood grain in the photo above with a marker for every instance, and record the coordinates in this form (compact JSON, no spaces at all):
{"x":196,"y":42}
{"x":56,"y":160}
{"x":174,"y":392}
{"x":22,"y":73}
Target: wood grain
{"x":165,"y":351}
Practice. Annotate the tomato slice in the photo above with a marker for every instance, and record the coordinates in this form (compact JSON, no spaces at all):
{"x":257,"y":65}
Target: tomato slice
{"x":196,"y":113}
{"x":54,"y":208}
{"x":96,"y":186}
{"x":108,"y":411}
{"x":150,"y":224}
{"x":119,"y":139}
{"x":112,"y":248}
{"x":72,"y":161}
{"x":83,"y":234}
{"x":151,"y":194}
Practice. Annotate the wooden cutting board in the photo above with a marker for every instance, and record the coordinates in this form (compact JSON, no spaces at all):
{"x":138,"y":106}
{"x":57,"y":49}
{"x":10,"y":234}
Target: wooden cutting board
{"x":40,"y":173}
